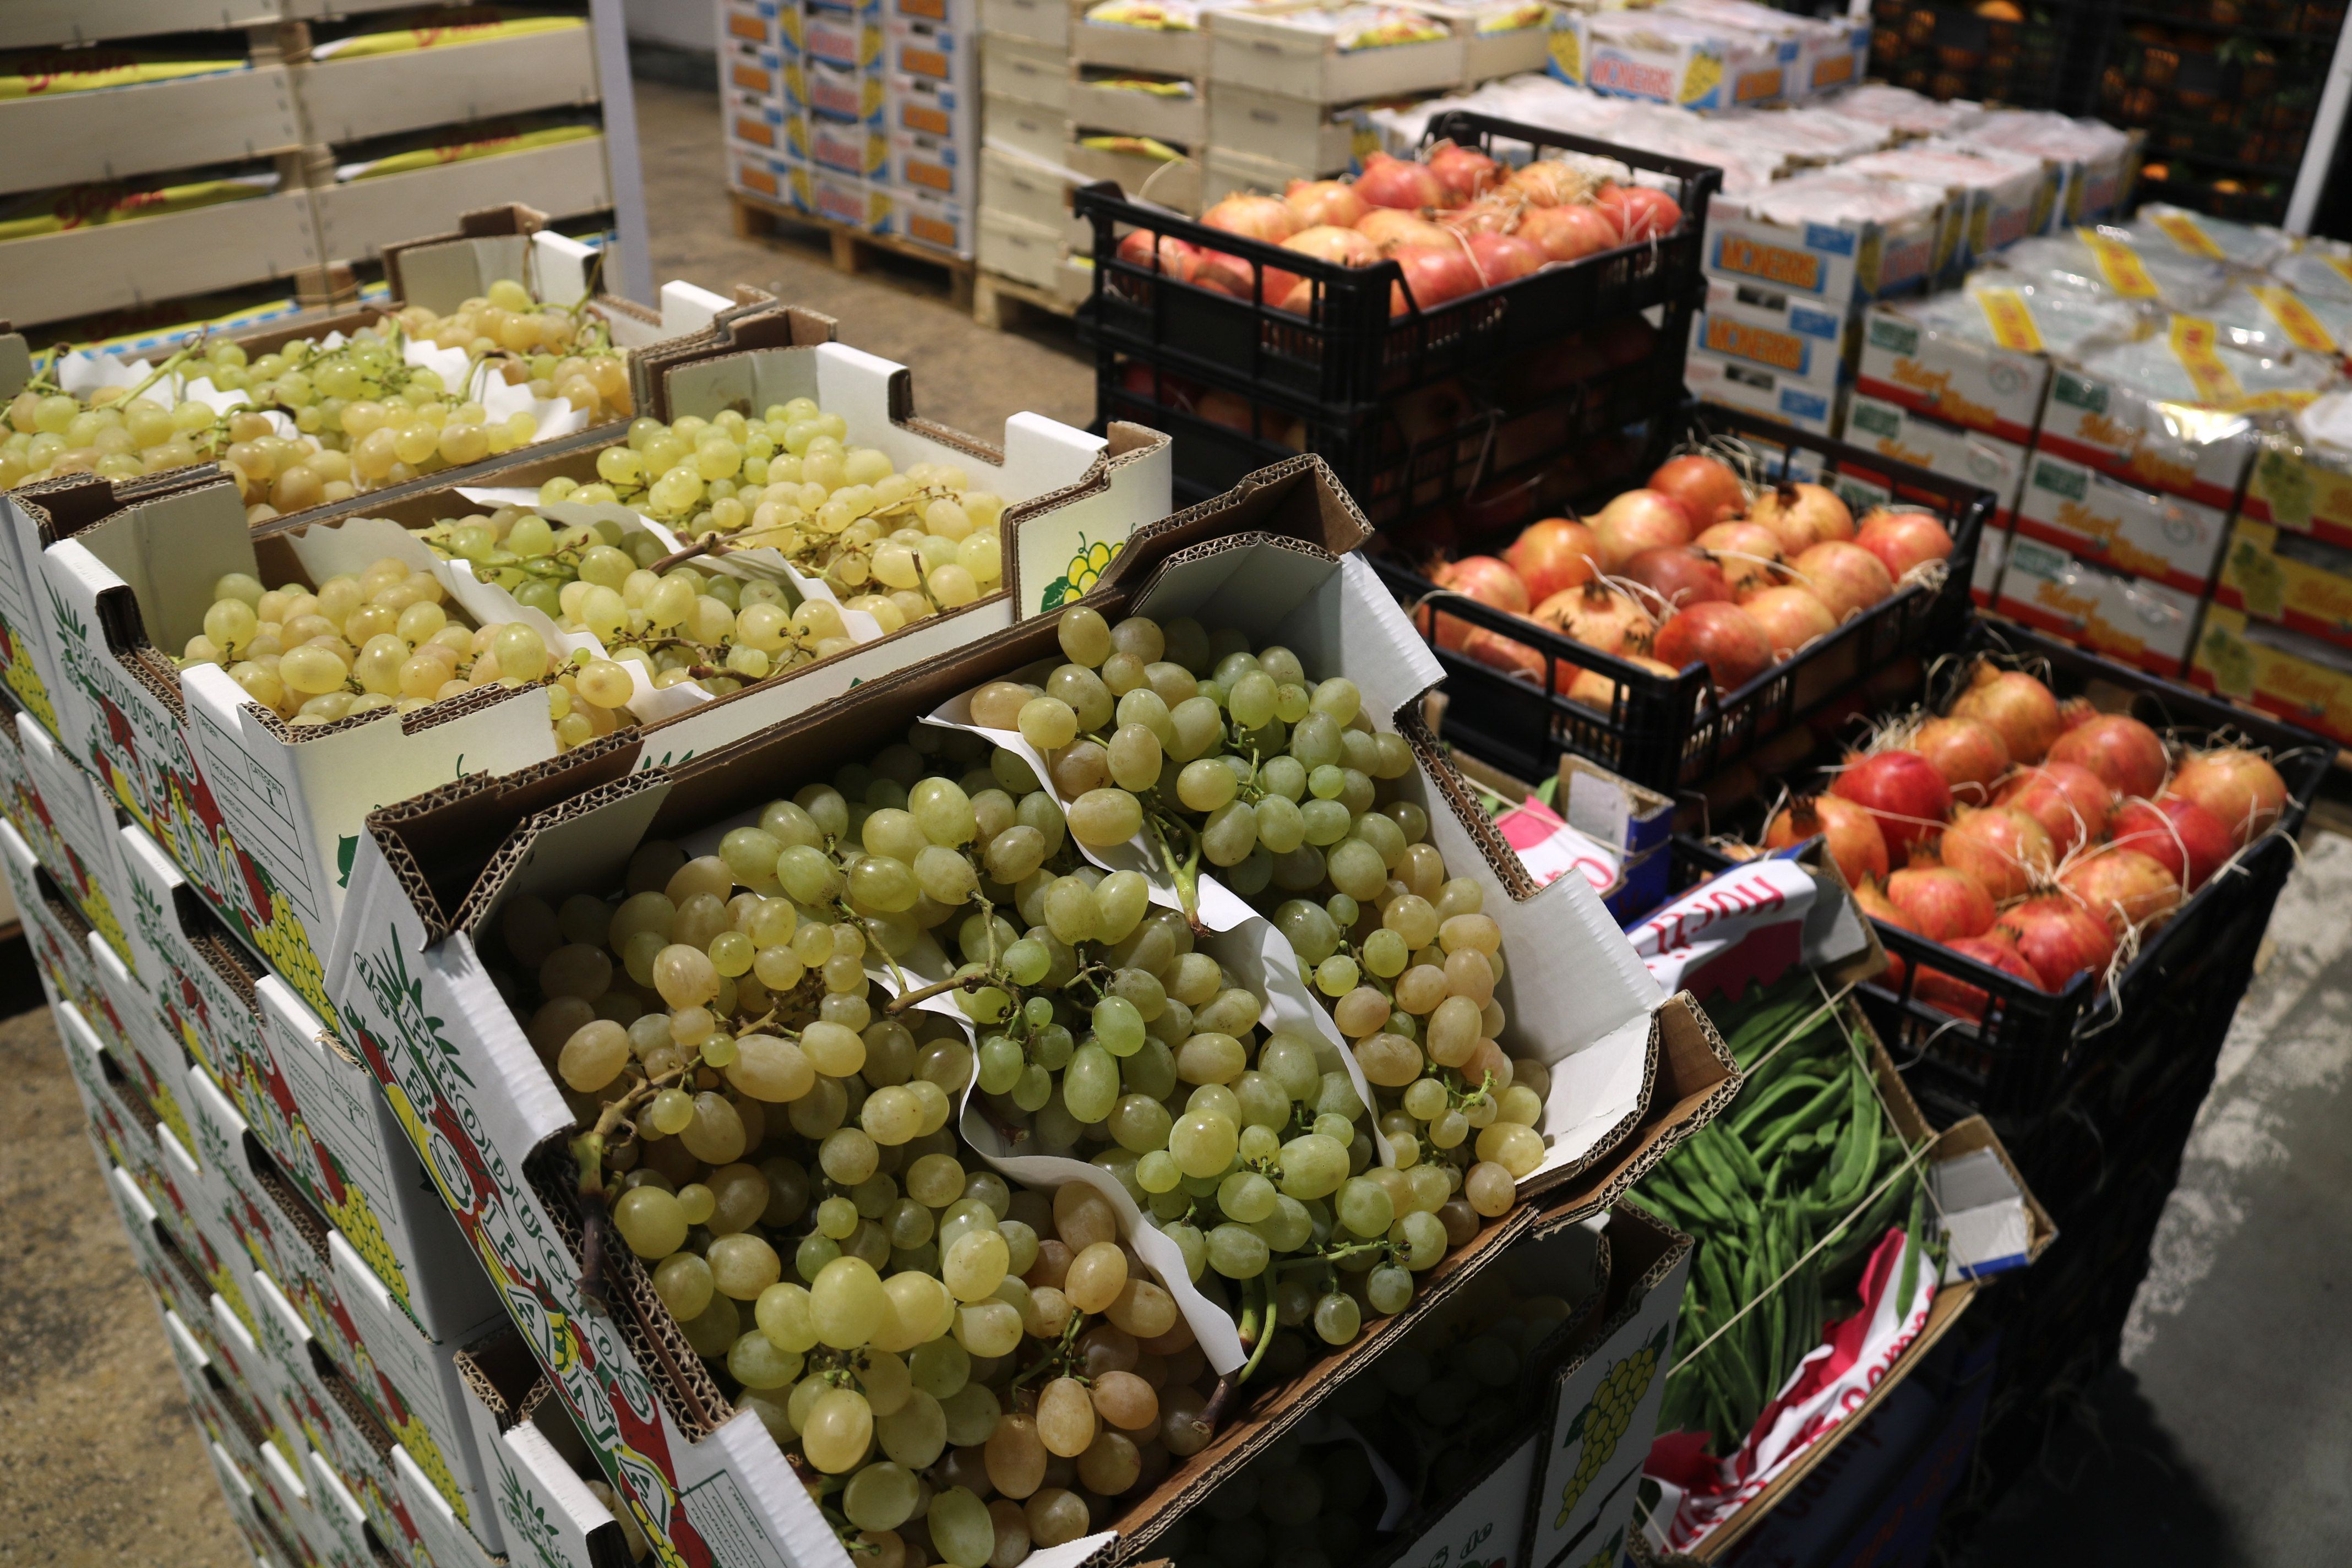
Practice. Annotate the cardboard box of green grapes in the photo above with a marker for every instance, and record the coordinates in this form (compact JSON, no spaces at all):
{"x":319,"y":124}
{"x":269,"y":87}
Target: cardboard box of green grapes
{"x":692,"y":1062}
{"x":447,"y":630}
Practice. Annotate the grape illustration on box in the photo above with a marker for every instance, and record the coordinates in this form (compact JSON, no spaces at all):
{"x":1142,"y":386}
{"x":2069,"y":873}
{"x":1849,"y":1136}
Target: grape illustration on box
{"x":1601,"y":1423}
{"x":1086,"y":568}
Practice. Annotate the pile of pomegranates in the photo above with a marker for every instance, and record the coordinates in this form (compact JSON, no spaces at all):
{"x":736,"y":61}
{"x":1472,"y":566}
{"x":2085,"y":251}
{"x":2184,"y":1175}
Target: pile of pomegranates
{"x":1455,"y":221}
{"x":2034,"y":835}
{"x":1694,"y":568}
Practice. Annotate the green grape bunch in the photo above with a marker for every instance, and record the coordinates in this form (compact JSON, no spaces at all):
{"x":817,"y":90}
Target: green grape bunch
{"x":962,"y":1371}
{"x":680,"y":624}
{"x":1601,"y":1423}
{"x":1281,"y":782}
{"x":898,"y":545}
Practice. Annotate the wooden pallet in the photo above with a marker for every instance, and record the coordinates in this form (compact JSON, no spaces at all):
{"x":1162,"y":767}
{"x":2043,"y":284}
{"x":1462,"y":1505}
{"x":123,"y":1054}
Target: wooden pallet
{"x":758,"y":219}
{"x":993,"y":291}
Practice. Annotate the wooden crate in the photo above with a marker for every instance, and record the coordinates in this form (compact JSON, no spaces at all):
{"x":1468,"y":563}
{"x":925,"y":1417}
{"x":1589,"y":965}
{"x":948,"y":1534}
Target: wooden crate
{"x":377,"y":95}
{"x":358,"y":219}
{"x":51,"y":277}
{"x":120,"y":132}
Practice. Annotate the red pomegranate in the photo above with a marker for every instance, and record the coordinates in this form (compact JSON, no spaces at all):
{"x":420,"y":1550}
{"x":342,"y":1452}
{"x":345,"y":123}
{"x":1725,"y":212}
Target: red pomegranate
{"x":1845,"y":577}
{"x":1969,"y":753}
{"x":2188,"y":841}
{"x":1680,"y":574}
{"x":2238,"y":786}
{"x":1903,"y":539}
{"x":1720,"y":635}
{"x":1950,"y":993}
{"x":1854,"y":841}
{"x":2017,"y":705}
{"x":1803,"y":515}
{"x":2003,"y":848}
{"x":1903,"y":792}
{"x":1709,"y":488}
{"x":1791,"y":617}
{"x":2071,"y":803}
{"x":1484,"y":579}
{"x":2059,"y":938}
{"x":2127,"y":755}
{"x":1871,"y":898}
{"x":2122,"y":887}
{"x":1638,"y":520}
{"x":1554,"y":555}
{"x":1599,"y":615}
{"x":1594,"y":690}
{"x":1941,"y":902}
{"x":1747,"y":552}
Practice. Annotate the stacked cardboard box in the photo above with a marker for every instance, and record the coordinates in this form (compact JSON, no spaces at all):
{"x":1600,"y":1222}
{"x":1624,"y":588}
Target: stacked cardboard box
{"x":1026,"y":231}
{"x":862,"y":113}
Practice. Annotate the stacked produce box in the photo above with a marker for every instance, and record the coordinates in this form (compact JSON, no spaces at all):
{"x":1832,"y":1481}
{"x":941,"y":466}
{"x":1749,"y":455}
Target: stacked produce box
{"x":196,"y":153}
{"x":1027,"y":232}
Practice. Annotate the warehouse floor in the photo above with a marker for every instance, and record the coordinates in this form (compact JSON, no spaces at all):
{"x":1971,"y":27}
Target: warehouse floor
{"x":2224,"y":1441}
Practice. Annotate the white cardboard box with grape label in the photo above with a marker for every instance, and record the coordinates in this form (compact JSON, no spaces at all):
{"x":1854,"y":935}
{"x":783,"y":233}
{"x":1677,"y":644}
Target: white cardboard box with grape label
{"x":267,"y":815}
{"x":1628,"y":1076}
{"x":545,"y":1506}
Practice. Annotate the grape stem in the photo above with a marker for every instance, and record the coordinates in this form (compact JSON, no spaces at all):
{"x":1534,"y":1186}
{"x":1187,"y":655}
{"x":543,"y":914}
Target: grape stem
{"x":1187,"y":877}
{"x":709,"y":544}
{"x":588,"y":1150}
{"x":898,"y":1005}
{"x":1059,"y":1355}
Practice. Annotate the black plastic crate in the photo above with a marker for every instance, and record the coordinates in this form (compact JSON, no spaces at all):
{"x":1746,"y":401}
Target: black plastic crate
{"x":1347,"y":354}
{"x":2032,"y":1045}
{"x":1484,"y":445}
{"x":1667,"y":732}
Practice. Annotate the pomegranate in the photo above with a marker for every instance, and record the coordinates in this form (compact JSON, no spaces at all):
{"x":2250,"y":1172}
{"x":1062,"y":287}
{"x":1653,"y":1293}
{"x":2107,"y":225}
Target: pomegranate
{"x":1950,"y":993}
{"x":1791,"y":617}
{"x":2238,"y":786}
{"x":1871,"y":898}
{"x":1568,"y":233}
{"x":1642,"y":213}
{"x":1464,"y":171}
{"x":1341,"y":247}
{"x":1177,"y":259}
{"x":1258,"y":218}
{"x":2127,"y":755}
{"x":1388,"y":182}
{"x":2075,"y":712}
{"x":1680,"y":574}
{"x":1638,"y":520}
{"x":1600,"y":617}
{"x":1314,"y":203}
{"x":2017,"y":705}
{"x":1503,"y":257}
{"x":2123,"y":887}
{"x":2188,"y":841}
{"x":1803,"y":515}
{"x":2071,"y":803}
{"x":1708,"y":487}
{"x":2003,"y":848}
{"x":1484,"y":579}
{"x":1969,"y":753}
{"x":1498,"y":212}
{"x":1748,"y":555}
{"x":2058,"y":938}
{"x":1903,"y":539}
{"x":1845,"y":577}
{"x":1552,"y":555}
{"x":1721,"y":635}
{"x":1595,"y":690}
{"x":1941,"y":902}
{"x":1854,"y":841}
{"x":1140,"y":380}
{"x":1498,"y":652}
{"x":1433,"y":275}
{"x":1903,"y":792}
{"x":1548,"y":182}
{"x":1389,"y":228}
{"x":1229,"y":409}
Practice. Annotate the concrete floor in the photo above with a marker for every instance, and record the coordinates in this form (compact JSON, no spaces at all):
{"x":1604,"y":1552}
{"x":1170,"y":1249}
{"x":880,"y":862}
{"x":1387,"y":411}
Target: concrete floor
{"x":2221,"y":1441}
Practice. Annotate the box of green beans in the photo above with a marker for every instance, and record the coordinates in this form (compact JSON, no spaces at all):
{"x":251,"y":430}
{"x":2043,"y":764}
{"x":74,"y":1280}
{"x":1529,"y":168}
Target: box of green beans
{"x":1828,"y":1262}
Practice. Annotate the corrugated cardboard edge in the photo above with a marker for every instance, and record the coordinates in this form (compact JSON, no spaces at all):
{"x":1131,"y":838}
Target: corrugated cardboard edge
{"x":498,"y":1370}
{"x":1127,"y":444}
{"x":1690,"y":1078}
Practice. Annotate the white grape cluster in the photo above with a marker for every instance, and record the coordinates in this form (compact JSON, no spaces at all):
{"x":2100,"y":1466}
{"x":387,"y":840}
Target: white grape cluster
{"x":965,"y":1370}
{"x":680,"y":624}
{"x":898,"y":545}
{"x":364,"y":417}
{"x":1284,"y":787}
{"x":386,"y":637}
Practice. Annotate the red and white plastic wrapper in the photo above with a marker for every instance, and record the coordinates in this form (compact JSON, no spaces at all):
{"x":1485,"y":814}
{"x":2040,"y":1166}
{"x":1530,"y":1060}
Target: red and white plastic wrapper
{"x":1746,"y":924}
{"x":1549,"y":848}
{"x":1697,"y":1494}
